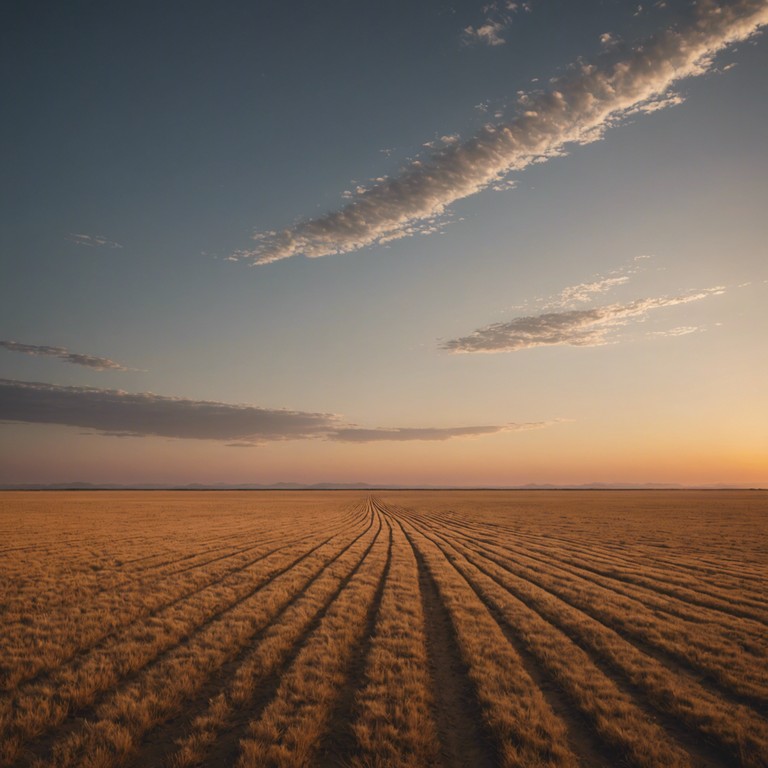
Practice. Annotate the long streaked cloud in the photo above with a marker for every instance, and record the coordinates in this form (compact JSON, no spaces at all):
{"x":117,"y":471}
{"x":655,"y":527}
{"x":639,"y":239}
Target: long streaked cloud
{"x":359,"y":435}
{"x":577,"y":110}
{"x":681,"y":330}
{"x":577,"y":327}
{"x":92,"y":241}
{"x":144,"y":414}
{"x":62,"y":353}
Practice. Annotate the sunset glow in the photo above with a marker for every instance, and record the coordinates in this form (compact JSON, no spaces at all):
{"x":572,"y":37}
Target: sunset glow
{"x":467,"y":245}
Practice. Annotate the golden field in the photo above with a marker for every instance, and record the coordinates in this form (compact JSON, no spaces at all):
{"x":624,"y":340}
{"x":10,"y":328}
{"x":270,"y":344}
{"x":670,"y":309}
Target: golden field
{"x":403,"y":628}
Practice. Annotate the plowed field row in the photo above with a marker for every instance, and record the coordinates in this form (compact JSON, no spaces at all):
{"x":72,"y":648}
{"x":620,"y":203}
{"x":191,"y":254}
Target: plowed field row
{"x":411,"y":629}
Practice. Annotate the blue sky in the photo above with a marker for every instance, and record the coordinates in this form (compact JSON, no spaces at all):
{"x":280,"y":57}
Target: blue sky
{"x":509,"y":283}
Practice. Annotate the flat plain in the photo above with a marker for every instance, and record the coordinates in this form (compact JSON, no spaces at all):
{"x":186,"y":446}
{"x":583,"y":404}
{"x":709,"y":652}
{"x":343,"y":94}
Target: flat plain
{"x":398,"y":628}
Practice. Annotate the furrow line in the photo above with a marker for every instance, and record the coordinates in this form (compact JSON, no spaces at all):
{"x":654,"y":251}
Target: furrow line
{"x":569,"y":549}
{"x":615,"y":554}
{"x":583,"y":739}
{"x":213,"y":716}
{"x":712,"y":655}
{"x":214,"y":737}
{"x":338,"y":744}
{"x":463,"y":735}
{"x":603,"y":725}
{"x":524,"y":729}
{"x":148,"y":698}
{"x":394,"y":725}
{"x":748,"y":634}
{"x":291,"y":728}
{"x":37,"y":709}
{"x":736,"y":732}
{"x":52,"y":654}
{"x":350,"y":518}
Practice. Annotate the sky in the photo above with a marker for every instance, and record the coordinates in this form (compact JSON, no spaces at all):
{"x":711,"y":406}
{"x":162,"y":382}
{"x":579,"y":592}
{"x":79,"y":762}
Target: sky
{"x":438,"y":243}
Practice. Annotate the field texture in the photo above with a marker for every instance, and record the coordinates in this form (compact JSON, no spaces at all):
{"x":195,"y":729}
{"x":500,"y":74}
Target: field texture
{"x":479,"y":629}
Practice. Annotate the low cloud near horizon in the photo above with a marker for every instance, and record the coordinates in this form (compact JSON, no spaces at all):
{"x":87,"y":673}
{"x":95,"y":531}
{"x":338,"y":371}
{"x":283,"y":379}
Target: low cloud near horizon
{"x":575,"y":327}
{"x":62,"y":353}
{"x":144,"y":414}
{"x":577,"y":110}
{"x":360,"y":435}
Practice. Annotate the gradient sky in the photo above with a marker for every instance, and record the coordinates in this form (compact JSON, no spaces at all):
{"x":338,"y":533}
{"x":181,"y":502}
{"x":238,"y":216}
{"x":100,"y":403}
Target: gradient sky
{"x":437,"y":242}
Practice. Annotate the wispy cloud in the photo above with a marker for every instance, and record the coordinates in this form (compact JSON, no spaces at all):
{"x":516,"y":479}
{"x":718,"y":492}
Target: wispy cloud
{"x":489,"y":33}
{"x":681,"y":330}
{"x":123,"y":414}
{"x":584,"y":292}
{"x":62,"y":353}
{"x":572,"y":296}
{"x":498,"y":17}
{"x":577,"y":327}
{"x":609,"y":40}
{"x":577,"y":110}
{"x":93,"y":241}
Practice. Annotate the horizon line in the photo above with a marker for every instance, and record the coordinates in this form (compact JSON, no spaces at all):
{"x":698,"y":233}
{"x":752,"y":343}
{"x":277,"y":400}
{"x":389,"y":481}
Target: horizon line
{"x":361,"y":486}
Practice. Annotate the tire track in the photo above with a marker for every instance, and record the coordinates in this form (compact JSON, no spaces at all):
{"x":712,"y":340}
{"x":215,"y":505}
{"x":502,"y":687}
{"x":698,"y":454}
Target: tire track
{"x":339,"y":743}
{"x":464,"y":737}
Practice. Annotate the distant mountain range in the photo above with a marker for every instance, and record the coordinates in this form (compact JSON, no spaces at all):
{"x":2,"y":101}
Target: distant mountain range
{"x":81,"y":486}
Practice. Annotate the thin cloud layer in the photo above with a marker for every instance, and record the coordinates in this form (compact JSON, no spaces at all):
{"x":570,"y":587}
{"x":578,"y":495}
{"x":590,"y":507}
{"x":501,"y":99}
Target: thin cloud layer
{"x":577,"y":327}
{"x":62,"y":353}
{"x":145,"y":414}
{"x":117,"y":413}
{"x":577,"y":110}
{"x":358,"y":435}
{"x":92,"y":241}
{"x":584,"y":292}
{"x":682,"y":330}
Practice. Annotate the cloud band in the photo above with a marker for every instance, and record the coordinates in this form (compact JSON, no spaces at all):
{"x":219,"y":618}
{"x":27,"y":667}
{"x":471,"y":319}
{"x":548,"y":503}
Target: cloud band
{"x":577,"y":110}
{"x":577,"y":327}
{"x":114,"y":412}
{"x":62,"y":353}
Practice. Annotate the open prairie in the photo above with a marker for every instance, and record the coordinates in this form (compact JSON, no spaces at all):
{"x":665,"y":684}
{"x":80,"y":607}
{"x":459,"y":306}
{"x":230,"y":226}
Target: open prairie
{"x":403,"y":628}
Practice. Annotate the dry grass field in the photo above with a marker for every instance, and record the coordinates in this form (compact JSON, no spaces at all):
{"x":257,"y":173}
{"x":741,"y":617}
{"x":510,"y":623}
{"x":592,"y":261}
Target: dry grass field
{"x":414,"y":629}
